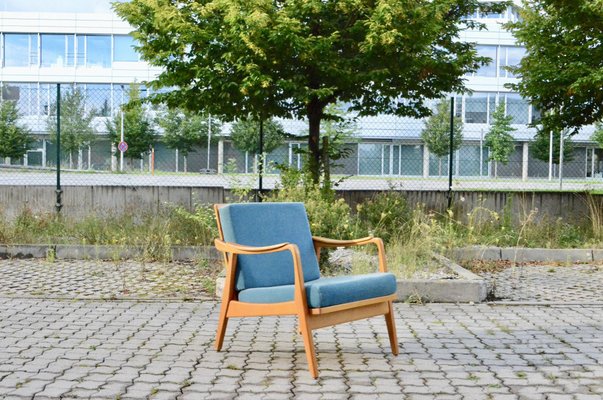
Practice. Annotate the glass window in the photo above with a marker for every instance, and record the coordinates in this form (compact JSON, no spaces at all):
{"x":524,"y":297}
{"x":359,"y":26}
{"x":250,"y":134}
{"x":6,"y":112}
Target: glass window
{"x":476,"y":108}
{"x":98,"y":51}
{"x":514,"y":56}
{"x":53,"y":50}
{"x":81,"y":51}
{"x":488,"y":70}
{"x":536,"y":115}
{"x":369,"y":158}
{"x":517,"y":108}
{"x":123,"y":48}
{"x":469,"y":160}
{"x":411,"y":160}
{"x":24,"y":94}
{"x":20,"y":50}
{"x":98,"y":98}
{"x":70,"y":56}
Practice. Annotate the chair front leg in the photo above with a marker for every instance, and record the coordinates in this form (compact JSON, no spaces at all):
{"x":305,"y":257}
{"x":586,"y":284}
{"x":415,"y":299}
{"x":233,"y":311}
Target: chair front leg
{"x":227,"y":296}
{"x":391,"y":329}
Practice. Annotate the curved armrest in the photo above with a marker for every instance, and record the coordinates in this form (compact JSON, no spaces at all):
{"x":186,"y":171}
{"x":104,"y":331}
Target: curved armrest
{"x":326,"y":242}
{"x":320,"y":242}
{"x":234,"y":248}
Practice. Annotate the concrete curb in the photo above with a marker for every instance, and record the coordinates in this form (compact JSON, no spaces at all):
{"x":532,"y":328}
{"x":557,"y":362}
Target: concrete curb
{"x":520,"y":254}
{"x":101,"y":252}
{"x":470,"y":288}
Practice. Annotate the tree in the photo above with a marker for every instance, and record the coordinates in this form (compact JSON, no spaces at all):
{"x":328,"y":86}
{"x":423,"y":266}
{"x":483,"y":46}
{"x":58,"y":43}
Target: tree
{"x":499,"y":139}
{"x":15,"y":138}
{"x":598,"y":134}
{"x":436,"y":134}
{"x":561,"y":71}
{"x":185,"y":130}
{"x":245,"y":135}
{"x":541,"y":146}
{"x":292,"y":58}
{"x":138,"y":127}
{"x":76,"y":123}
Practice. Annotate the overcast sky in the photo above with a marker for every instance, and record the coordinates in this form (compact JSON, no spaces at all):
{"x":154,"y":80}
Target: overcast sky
{"x":87,"y":6}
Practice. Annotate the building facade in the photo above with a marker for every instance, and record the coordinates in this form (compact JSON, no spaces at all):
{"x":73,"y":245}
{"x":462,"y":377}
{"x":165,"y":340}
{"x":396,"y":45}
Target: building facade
{"x":94,"y":53}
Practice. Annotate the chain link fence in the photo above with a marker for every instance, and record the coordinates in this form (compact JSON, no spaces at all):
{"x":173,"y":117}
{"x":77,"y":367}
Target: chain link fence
{"x":368,"y":153}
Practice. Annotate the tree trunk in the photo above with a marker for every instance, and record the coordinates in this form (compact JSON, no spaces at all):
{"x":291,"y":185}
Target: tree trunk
{"x":326,"y":164}
{"x":70,"y":160}
{"x":185,"y":164}
{"x":314,"y":116}
{"x":495,"y":169}
{"x":439,"y":166}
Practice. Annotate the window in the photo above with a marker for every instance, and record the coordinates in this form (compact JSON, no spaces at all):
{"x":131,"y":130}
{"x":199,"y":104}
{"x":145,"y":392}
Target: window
{"x":123,"y":49}
{"x":369,"y":158}
{"x":488,"y":70}
{"x":98,"y":51}
{"x":81,"y":51}
{"x":20,"y":50}
{"x":517,"y":108}
{"x":25,"y":95}
{"x":476,"y":108}
{"x":509,"y":57}
{"x":57,"y":50}
{"x":98,"y":98}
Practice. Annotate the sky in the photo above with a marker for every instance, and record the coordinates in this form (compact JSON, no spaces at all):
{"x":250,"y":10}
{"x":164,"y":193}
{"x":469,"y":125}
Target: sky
{"x":84,"y":6}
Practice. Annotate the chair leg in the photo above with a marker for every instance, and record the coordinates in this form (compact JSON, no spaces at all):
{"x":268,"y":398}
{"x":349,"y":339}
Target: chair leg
{"x":222,"y":323}
{"x":391,"y":329}
{"x":308,"y":345}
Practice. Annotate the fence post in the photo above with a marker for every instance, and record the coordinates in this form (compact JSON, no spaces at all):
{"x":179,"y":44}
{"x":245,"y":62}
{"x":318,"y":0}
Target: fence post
{"x":261,"y":161}
{"x":59,"y":191}
{"x":450,"y":151}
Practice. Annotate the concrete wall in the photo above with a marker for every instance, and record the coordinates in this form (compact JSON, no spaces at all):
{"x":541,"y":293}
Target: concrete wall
{"x":83,"y":200}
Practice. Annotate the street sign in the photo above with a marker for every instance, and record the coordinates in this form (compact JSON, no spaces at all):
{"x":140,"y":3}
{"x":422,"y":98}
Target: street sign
{"x":122,"y":146}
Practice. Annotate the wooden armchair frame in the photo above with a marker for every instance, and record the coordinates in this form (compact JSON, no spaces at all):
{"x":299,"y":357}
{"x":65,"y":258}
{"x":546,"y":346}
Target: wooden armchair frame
{"x":309,"y":318}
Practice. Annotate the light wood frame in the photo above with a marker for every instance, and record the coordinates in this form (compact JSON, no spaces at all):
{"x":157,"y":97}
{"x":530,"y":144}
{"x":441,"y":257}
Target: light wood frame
{"x":309,"y":318}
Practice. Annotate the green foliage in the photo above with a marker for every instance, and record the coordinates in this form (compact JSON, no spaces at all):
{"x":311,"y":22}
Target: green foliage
{"x":76,"y":121}
{"x":183,"y":130}
{"x":436,"y":134}
{"x":598,"y":134}
{"x":245,"y":135}
{"x":499,"y":139}
{"x":15,"y":138}
{"x":385,"y":215}
{"x":561,"y":71}
{"x":292,"y":58}
{"x":541,"y":146}
{"x":328,"y":216}
{"x":138,"y":127}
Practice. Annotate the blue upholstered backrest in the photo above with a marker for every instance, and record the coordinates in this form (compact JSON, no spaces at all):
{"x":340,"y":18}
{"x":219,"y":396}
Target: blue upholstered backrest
{"x":264,"y":224}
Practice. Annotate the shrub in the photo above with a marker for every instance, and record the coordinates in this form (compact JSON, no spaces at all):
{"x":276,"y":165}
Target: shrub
{"x":385,"y":215}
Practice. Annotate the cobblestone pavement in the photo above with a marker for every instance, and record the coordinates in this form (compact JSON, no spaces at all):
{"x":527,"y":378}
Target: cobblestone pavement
{"x":152,"y":344}
{"x":163,"y":350}
{"x":94,"y":279}
{"x":548,"y":283}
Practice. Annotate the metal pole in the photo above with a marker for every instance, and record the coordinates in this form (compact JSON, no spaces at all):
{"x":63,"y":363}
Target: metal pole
{"x":121,"y":153}
{"x":450,"y":151}
{"x":59,"y":191}
{"x":561,"y":160}
{"x":551,"y":155}
{"x":208,"y":140}
{"x":261,"y":160}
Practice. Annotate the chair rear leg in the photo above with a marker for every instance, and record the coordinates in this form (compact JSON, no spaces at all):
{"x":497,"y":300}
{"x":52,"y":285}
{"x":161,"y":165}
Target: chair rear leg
{"x":222,"y":323}
{"x":308,"y":345}
{"x":391,"y":329}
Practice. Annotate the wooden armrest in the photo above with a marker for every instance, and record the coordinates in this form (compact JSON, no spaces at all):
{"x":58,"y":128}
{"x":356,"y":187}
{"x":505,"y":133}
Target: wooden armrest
{"x":320,"y":242}
{"x":326,"y":242}
{"x":234,"y":248}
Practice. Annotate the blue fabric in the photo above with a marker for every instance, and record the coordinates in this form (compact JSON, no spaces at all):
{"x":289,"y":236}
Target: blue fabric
{"x":264,"y":224}
{"x":325,"y":292}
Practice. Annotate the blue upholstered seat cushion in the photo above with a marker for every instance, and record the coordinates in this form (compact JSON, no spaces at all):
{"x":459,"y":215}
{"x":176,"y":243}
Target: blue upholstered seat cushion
{"x":325,"y":292}
{"x":265,"y":224}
